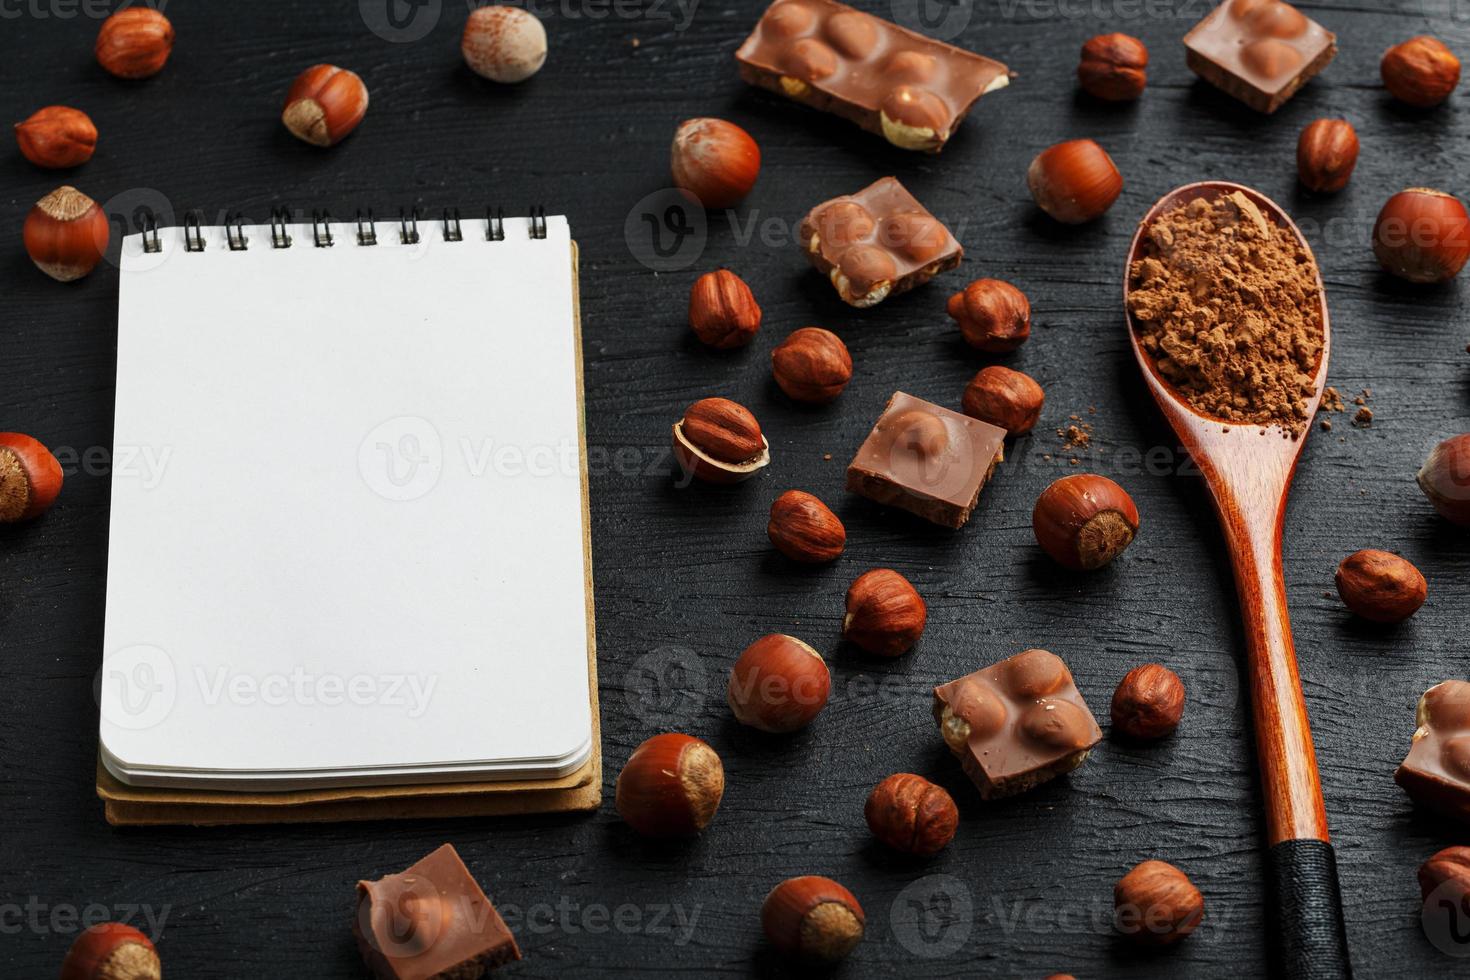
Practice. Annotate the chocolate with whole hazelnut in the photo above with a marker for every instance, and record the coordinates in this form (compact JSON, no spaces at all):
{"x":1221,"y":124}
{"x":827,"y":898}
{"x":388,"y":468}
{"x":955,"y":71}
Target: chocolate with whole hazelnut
{"x":1259,"y":51}
{"x":1436,"y":772}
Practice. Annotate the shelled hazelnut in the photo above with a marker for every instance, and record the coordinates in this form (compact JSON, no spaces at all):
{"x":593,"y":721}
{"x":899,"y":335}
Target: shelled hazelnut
{"x":1114,"y":67}
{"x":1148,"y":703}
{"x":885,"y":613}
{"x":722,"y":310}
{"x":1422,"y":235}
{"x":1447,"y":872}
{"x":325,"y":103}
{"x":671,"y":786}
{"x":1326,"y":153}
{"x":1380,"y":586}
{"x":1421,"y":71}
{"x":30,"y":478}
{"x":812,"y":918}
{"x":503,"y":44}
{"x":719,"y":441}
{"x":911,"y":814}
{"x":1084,"y":521}
{"x":1445,"y":479}
{"x":57,"y":137}
{"x":812,"y":365}
{"x":66,"y":234}
{"x":716,"y":161}
{"x":993,"y":315}
{"x":1075,"y":181}
{"x":1009,"y":399}
{"x":804,"y":529}
{"x":1157,"y":904}
{"x":135,"y":42}
{"x":779,"y":684}
{"x":111,"y":951}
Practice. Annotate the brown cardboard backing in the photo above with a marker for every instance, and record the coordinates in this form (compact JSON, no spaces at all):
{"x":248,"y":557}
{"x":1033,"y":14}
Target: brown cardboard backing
{"x":125,"y":805}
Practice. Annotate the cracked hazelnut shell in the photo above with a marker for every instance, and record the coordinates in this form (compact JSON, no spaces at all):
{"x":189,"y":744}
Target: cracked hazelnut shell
{"x":720,"y":441}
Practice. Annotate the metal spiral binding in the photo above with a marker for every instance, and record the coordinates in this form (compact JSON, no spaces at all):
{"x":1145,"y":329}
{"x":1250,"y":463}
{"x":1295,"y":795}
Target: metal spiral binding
{"x":538,"y":221}
{"x":150,"y":228}
{"x":495,"y":225}
{"x":407,"y":236}
{"x":193,"y":236}
{"x":321,"y":228}
{"x":235,"y":233}
{"x":452,"y":230}
{"x":368,"y":235}
{"x":280,"y":235}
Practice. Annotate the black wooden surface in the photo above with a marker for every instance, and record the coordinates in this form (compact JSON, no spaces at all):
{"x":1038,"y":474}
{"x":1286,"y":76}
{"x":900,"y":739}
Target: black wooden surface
{"x":685,"y":577}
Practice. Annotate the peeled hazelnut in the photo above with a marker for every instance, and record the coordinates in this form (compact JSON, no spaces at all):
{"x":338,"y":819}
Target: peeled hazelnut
{"x":57,"y":137}
{"x":885,"y":613}
{"x":804,"y":529}
{"x":1148,"y":702}
{"x":503,"y":44}
{"x":1421,"y":71}
{"x":1156,"y":903}
{"x":66,"y":234}
{"x":1006,"y":398}
{"x":993,"y":315}
{"x":779,"y":684}
{"x":324,"y":105}
{"x":1445,"y":479}
{"x":1114,"y":67}
{"x":135,"y":42}
{"x":1380,"y":586}
{"x":714,"y":160}
{"x":1326,"y":153}
{"x":1447,"y":874}
{"x":30,"y":478}
{"x":812,"y":918}
{"x":911,"y":814}
{"x":1084,"y":521}
{"x":1075,"y":181}
{"x":1422,"y":235}
{"x":671,"y":786}
{"x":722,"y":310}
{"x":812,"y":365}
{"x":719,"y":441}
{"x":111,"y":951}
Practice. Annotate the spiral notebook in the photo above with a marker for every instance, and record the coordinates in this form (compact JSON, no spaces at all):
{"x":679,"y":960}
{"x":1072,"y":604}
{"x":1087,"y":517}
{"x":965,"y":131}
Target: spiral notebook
{"x":348,"y":539}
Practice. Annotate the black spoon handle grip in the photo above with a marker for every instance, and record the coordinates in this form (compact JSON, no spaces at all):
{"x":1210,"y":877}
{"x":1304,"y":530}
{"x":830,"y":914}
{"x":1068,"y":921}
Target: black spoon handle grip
{"x":1308,"y":937}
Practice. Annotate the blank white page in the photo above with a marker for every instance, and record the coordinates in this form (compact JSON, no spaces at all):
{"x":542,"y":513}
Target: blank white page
{"x":347,"y":511}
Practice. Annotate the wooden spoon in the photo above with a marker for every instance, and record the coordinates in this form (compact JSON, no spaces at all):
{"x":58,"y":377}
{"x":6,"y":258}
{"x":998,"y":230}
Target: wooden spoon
{"x":1248,"y":469}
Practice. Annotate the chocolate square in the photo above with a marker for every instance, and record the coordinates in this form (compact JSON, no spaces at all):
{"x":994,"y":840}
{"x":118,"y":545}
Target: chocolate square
{"x":926,"y":459}
{"x":1436,"y":771}
{"x":1259,"y":51}
{"x":1016,"y":724}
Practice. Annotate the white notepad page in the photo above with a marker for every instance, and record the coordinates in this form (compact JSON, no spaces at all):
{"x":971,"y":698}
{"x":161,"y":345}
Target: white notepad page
{"x":347,"y":511}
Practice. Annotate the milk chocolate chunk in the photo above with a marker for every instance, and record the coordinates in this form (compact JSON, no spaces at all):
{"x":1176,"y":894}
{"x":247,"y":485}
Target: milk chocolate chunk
{"x":1259,"y":51}
{"x":877,"y":243}
{"x":1436,"y":772}
{"x":927,"y":460}
{"x":1016,"y":724}
{"x":912,"y":90}
{"x":432,"y":922}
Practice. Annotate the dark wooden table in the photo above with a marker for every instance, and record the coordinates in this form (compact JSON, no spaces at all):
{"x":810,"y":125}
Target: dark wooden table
{"x":685,"y":577}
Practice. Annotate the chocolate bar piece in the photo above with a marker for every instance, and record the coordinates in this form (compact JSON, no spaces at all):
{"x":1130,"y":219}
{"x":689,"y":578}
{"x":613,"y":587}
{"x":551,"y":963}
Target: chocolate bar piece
{"x":1017,"y":724}
{"x":877,"y":243}
{"x":910,"y":89}
{"x":1436,"y":771}
{"x":927,"y":460}
{"x":1259,"y":51}
{"x":432,"y":922}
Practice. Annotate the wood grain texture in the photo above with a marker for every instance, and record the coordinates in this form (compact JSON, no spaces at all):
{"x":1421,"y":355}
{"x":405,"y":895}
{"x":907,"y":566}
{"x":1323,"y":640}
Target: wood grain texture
{"x":685,"y":575}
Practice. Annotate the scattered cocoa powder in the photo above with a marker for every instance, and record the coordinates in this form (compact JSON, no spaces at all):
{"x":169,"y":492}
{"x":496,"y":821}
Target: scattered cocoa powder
{"x":1332,"y":400}
{"x":1227,"y":304}
{"x":1076,"y":436}
{"x":1364,"y":418}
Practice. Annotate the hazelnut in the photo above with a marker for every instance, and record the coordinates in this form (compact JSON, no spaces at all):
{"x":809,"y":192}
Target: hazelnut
{"x":1084,"y":521}
{"x":503,"y":44}
{"x":66,"y":234}
{"x":30,"y":478}
{"x":804,"y":529}
{"x":57,"y":137}
{"x":1421,"y":71}
{"x":812,"y":918}
{"x":324,"y":105}
{"x":885,"y":613}
{"x":722,"y":310}
{"x":911,"y":814}
{"x":1148,"y":703}
{"x":135,"y":42}
{"x":714,"y":160}
{"x":1448,"y":873}
{"x":1445,"y":479}
{"x":1114,"y":67}
{"x":1422,"y":235}
{"x":719,"y":441}
{"x":812,"y":365}
{"x":993,"y":315}
{"x":1156,"y":903}
{"x":779,"y":684}
{"x":1326,"y":153}
{"x":1006,"y":398}
{"x":1075,"y":181}
{"x":671,"y":786}
{"x":111,"y":951}
{"x":1380,"y":586}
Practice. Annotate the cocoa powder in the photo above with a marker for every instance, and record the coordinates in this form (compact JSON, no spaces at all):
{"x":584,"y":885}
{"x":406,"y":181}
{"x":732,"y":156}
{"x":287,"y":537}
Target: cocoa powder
{"x":1227,"y":305}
